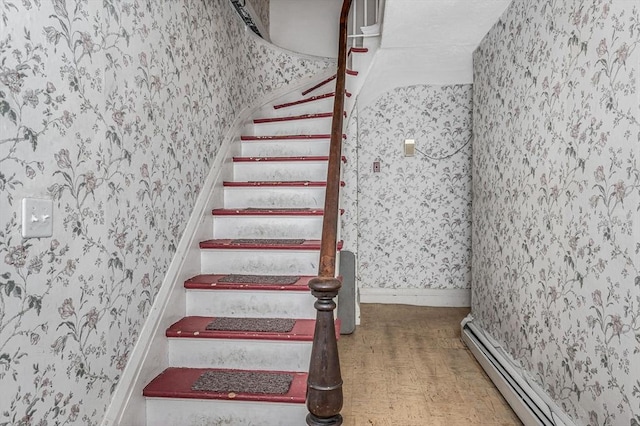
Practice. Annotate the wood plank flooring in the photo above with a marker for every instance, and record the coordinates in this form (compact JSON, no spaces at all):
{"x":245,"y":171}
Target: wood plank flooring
{"x":407,"y":366}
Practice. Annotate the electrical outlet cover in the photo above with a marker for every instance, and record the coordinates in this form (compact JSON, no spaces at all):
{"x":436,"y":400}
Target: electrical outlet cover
{"x":37,"y":217}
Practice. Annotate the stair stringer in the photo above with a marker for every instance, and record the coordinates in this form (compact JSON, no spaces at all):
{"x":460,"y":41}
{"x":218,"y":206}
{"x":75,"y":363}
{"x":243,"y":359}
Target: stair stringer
{"x":149,"y":355}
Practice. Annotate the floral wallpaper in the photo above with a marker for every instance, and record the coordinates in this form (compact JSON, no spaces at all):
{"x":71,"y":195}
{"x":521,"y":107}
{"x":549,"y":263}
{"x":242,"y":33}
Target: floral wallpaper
{"x":115,"y":110}
{"x":556,"y":200}
{"x":410,"y":223}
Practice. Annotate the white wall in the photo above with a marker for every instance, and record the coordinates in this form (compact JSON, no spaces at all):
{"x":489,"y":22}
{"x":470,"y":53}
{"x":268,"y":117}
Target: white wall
{"x":302,"y":26}
{"x":429,"y":42}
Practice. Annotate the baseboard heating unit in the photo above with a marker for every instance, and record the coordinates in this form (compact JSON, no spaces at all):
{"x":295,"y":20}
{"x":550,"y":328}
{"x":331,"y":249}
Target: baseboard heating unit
{"x":526,"y":398}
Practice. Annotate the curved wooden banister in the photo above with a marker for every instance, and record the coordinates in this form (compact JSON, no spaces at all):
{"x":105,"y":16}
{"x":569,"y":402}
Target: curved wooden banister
{"x":324,"y":385}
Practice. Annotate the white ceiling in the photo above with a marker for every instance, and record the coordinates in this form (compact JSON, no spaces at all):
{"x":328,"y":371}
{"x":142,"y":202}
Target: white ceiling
{"x":426,"y":23}
{"x":429,"y":42}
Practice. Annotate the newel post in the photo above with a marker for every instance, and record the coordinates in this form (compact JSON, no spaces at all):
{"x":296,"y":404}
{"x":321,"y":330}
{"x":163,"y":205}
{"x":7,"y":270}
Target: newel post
{"x":324,"y":386}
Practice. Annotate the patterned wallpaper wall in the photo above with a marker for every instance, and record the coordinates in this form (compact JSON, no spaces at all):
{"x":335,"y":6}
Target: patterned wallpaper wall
{"x":115,"y":109}
{"x":556,"y":200}
{"x":410,"y":223}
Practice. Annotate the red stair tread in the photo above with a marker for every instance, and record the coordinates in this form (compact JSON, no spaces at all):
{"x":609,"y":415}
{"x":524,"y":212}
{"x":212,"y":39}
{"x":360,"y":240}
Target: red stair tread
{"x":227,"y":244}
{"x":307,"y":100}
{"x":269,"y":183}
{"x":300,"y":158}
{"x":196,"y":327}
{"x":283,"y":137}
{"x":286,"y":137}
{"x":293,"y":117}
{"x":322,"y":83}
{"x":325,"y":81}
{"x":358,"y":50}
{"x":270,"y":212}
{"x":267,"y":212}
{"x":210,"y":282}
{"x":176,"y":383}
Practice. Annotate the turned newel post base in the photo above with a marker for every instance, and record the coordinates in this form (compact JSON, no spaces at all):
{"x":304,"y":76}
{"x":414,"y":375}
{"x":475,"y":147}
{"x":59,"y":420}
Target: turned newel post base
{"x":333,"y":421}
{"x":324,"y":385}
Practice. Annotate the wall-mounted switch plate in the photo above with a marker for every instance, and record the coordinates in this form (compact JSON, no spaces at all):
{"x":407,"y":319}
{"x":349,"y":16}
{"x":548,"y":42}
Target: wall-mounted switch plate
{"x":409,"y":147}
{"x":376,"y":167}
{"x":37,"y":217}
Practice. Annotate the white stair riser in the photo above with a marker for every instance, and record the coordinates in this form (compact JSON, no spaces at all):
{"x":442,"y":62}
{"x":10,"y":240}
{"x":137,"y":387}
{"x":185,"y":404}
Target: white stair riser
{"x":280,"y":170}
{"x":253,"y":304}
{"x":279,"y":197}
{"x":285,"y":148}
{"x":307,"y":227}
{"x":260,"y":262}
{"x":293,"y":127}
{"x":240,"y":354}
{"x":198,"y":412}
{"x":311,"y":107}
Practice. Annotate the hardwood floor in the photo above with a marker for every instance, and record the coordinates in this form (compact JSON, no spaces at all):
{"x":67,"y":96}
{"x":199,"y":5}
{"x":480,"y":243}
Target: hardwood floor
{"x":407,"y":366}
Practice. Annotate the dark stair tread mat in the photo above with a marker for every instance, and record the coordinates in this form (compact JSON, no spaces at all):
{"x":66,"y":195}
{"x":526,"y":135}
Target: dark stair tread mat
{"x":279,"y":209}
{"x":266,"y":325}
{"x":268,"y":241}
{"x":260,"y":279}
{"x":244,"y":382}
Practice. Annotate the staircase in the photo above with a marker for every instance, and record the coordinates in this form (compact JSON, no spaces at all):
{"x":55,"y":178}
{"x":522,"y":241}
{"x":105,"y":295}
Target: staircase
{"x":246,"y":341}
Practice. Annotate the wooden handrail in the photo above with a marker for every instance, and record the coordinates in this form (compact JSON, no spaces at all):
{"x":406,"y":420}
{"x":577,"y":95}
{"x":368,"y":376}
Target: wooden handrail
{"x":324,"y":385}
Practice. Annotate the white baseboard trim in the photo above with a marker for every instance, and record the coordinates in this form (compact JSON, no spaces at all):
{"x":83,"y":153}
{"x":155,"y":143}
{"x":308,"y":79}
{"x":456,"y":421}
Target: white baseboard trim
{"x":530,"y":403}
{"x":417,"y":296}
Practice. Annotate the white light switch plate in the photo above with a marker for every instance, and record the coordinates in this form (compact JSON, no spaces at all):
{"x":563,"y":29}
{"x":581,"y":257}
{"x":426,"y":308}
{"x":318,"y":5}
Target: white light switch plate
{"x":37,"y":217}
